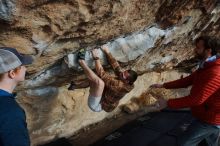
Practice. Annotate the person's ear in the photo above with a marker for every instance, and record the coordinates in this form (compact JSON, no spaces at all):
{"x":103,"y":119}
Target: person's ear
{"x":11,"y":74}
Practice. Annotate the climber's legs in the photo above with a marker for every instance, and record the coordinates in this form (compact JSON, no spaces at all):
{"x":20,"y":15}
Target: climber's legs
{"x":96,"y":87}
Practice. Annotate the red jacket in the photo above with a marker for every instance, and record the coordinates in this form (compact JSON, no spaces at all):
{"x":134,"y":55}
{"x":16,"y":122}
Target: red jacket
{"x":204,"y":97}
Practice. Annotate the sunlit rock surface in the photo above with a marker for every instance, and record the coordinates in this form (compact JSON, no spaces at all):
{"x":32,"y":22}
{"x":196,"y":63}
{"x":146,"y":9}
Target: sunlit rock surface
{"x":155,"y":38}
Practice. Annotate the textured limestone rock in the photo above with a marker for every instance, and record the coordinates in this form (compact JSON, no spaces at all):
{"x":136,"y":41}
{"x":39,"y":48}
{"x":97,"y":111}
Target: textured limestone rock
{"x":7,"y":8}
{"x":147,"y":100}
{"x":124,"y":49}
{"x":155,"y":38}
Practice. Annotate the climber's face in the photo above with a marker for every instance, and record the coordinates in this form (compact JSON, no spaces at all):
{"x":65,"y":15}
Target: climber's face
{"x":124,"y":76}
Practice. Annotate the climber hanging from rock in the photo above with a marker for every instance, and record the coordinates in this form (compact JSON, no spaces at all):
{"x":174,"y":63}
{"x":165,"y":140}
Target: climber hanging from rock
{"x":106,"y":90}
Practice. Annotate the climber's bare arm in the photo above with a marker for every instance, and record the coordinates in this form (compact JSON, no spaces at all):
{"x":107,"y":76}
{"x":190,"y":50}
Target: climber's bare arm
{"x":112,"y":61}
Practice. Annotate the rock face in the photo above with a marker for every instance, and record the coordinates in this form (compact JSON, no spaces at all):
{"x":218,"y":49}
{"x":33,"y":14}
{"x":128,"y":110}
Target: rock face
{"x":155,"y":38}
{"x":147,"y":100}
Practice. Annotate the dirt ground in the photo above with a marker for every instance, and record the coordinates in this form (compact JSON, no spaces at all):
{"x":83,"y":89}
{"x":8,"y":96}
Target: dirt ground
{"x":93,"y":133}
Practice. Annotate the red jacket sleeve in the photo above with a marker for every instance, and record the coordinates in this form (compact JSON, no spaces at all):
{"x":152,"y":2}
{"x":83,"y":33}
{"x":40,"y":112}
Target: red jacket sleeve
{"x":200,"y":92}
{"x":180,"y":83}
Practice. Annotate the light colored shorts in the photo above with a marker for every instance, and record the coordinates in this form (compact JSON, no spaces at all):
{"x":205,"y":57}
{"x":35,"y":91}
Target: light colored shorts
{"x":94,"y":103}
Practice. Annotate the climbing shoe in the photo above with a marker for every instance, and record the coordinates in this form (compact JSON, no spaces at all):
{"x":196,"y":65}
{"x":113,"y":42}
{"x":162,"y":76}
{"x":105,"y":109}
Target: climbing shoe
{"x":81,"y":54}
